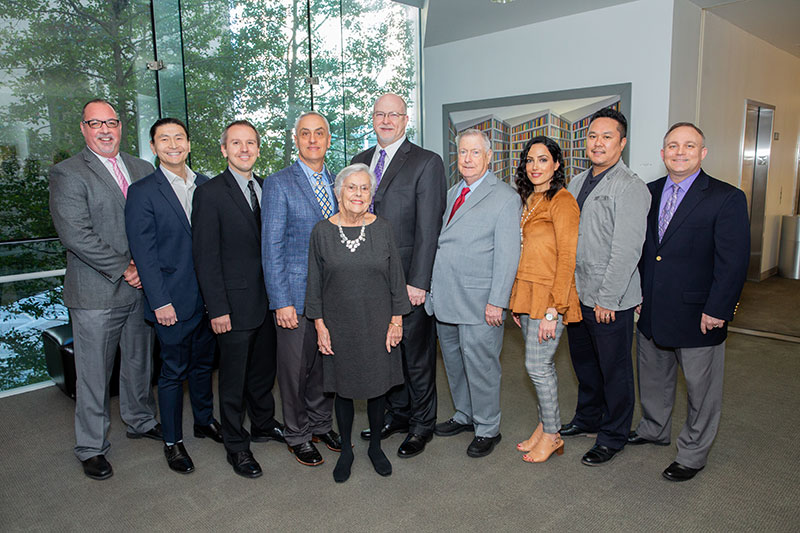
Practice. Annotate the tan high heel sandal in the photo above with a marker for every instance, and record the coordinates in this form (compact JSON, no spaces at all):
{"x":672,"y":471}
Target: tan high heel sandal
{"x":544,"y":449}
{"x":528,"y":445}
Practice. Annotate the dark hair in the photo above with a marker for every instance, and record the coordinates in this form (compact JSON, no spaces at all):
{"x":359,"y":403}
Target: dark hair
{"x":685,"y":125}
{"x":224,"y":137}
{"x":96,"y":101}
{"x":608,"y":112}
{"x":524,"y":185}
{"x":166,"y":120}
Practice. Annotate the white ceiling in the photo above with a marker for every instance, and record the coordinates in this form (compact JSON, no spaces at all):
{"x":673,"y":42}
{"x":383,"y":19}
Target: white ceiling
{"x":775,"y":21}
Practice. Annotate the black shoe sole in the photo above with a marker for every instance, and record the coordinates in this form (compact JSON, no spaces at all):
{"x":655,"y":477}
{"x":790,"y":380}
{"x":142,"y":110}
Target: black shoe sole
{"x":181,"y":471}
{"x":99,"y":478}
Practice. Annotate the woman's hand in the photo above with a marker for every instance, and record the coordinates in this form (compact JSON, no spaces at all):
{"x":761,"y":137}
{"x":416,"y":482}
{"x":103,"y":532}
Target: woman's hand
{"x":516,"y":319}
{"x":323,"y":337}
{"x":395,"y":333}
{"x":547,"y":328}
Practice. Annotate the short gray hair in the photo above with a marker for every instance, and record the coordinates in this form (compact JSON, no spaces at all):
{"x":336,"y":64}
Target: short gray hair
{"x":307,"y":113}
{"x":473,"y":132}
{"x":356,"y":168}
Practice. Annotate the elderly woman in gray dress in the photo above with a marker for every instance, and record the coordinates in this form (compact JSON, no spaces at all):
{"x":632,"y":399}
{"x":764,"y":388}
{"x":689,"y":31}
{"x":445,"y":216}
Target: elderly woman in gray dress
{"x":357,"y":297}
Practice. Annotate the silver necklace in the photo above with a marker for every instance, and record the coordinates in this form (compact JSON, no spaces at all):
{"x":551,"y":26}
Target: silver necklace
{"x":525,"y":217}
{"x":352,"y":244}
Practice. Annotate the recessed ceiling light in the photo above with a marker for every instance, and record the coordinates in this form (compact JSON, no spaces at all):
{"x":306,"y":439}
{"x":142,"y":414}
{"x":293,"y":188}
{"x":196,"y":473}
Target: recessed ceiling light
{"x":501,"y":1}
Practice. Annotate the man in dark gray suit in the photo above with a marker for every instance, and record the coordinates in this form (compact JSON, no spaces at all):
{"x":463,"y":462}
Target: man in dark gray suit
{"x":411,"y":195}
{"x":102,"y":288}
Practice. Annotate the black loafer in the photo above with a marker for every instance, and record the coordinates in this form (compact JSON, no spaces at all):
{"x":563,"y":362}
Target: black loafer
{"x":178,"y":459}
{"x":678,"y":472}
{"x":451,"y":427}
{"x":307,"y":454}
{"x":573,"y":430}
{"x":331,"y":439}
{"x":635,"y":439}
{"x":244,"y":464}
{"x":275,"y":433}
{"x":213,"y":431}
{"x":599,"y":455}
{"x":97,"y":467}
{"x":387,"y":430}
{"x":153,"y":433}
{"x":413,"y":445}
{"x":482,"y":446}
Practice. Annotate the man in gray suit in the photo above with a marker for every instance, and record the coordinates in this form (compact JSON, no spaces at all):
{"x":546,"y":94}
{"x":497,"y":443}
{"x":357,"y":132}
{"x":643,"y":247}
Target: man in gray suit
{"x":473,"y":273}
{"x":102,"y":288}
{"x":614,"y":204}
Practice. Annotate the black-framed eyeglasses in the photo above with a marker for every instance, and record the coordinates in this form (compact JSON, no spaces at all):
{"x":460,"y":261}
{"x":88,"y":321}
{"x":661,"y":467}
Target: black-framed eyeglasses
{"x":96,"y":124}
{"x":380,"y":115}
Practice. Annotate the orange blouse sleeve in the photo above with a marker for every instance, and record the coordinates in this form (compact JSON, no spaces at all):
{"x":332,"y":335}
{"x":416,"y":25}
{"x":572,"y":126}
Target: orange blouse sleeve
{"x":566,"y":218}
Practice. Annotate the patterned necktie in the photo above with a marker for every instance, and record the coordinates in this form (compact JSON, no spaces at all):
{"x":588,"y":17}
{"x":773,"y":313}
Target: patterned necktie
{"x":669,"y":210}
{"x":458,"y":203}
{"x":121,"y":181}
{"x":378,"y":175}
{"x":254,"y":203}
{"x":322,"y":196}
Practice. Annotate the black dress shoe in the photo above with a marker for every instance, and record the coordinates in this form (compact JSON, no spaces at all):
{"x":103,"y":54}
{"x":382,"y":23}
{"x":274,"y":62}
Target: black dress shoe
{"x":178,"y":459}
{"x":213,"y":431}
{"x":244,"y":464}
{"x":635,"y":439}
{"x":331,"y":439}
{"x":97,"y":467}
{"x":275,"y":433}
{"x":678,"y":472}
{"x":153,"y":433}
{"x":482,"y":446}
{"x":451,"y":427}
{"x":599,"y":455}
{"x":413,"y":445}
{"x":387,"y":430}
{"x":307,"y":454}
{"x":573,"y":430}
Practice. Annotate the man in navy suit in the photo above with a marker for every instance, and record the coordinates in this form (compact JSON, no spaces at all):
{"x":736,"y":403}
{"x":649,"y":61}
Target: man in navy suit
{"x":226,"y":234}
{"x":295,"y":199}
{"x":693,"y":267}
{"x":157,"y":218}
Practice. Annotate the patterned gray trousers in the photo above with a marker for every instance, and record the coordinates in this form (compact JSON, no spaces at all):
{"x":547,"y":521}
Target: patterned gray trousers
{"x":542,"y":370}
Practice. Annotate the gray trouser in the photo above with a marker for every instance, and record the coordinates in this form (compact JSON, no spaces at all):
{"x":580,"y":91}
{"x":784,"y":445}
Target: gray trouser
{"x":97,"y":333}
{"x":471,"y":354}
{"x":703,"y":369}
{"x":542,"y":371}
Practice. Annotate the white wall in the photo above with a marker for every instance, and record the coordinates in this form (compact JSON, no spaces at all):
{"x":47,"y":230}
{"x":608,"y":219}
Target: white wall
{"x":737,"y":66}
{"x":628,"y":43}
{"x":686,"y":33}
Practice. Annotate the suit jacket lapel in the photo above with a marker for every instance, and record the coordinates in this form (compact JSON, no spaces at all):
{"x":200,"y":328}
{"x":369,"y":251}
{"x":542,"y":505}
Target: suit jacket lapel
{"x":652,"y":216}
{"x":473,"y":198}
{"x":694,"y":196}
{"x":103,"y":173}
{"x":239,"y":201}
{"x":393,"y":169}
{"x":166,"y":189}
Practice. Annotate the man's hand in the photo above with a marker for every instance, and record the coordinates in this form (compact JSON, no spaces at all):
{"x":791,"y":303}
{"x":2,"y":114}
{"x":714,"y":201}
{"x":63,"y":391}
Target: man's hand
{"x":131,"y":275}
{"x":221,"y":324}
{"x":707,"y":323}
{"x":166,"y":316}
{"x":395,"y":332}
{"x":286,"y":317}
{"x":323,"y":337}
{"x":417,"y":296}
{"x":603,"y":315}
{"x":494,"y":315}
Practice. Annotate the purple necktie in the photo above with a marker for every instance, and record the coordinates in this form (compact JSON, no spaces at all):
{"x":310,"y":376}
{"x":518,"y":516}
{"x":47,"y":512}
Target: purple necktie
{"x":378,"y":175}
{"x":669,"y":210}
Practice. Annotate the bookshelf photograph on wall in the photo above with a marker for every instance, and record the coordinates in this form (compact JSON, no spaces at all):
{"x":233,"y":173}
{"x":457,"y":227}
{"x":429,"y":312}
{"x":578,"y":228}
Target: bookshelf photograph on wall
{"x":509,"y":128}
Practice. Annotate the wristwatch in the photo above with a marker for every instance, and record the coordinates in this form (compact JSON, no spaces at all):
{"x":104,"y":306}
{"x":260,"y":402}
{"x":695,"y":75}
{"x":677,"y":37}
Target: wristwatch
{"x":550,"y":317}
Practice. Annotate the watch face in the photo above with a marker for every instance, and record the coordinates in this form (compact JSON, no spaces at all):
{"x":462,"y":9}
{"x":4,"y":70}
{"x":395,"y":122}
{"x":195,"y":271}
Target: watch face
{"x":548,"y":316}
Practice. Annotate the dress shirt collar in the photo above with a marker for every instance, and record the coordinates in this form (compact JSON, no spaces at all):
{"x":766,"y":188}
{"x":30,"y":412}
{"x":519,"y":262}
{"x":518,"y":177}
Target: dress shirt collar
{"x":474,"y":185}
{"x":684,"y":185}
{"x":390,"y":151}
{"x":174,"y":178}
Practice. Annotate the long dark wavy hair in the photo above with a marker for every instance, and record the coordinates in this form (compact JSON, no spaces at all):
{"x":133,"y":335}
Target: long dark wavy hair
{"x":524,"y":185}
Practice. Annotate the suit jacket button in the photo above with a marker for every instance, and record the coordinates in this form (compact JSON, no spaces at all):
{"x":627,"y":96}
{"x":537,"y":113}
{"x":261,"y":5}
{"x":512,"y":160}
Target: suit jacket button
{"x":658,"y":258}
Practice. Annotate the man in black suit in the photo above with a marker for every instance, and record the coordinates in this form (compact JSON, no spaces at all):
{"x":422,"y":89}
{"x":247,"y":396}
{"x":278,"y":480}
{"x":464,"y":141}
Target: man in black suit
{"x":411,"y":195}
{"x":226,"y":235}
{"x":693,"y":267}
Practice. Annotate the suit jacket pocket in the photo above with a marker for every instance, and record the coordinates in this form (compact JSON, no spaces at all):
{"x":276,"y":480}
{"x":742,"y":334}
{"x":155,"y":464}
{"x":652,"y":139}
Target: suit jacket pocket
{"x":695,"y":297}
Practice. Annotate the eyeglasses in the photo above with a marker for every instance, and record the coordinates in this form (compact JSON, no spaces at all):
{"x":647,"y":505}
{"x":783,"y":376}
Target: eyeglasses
{"x":352,"y":188}
{"x":380,"y":115}
{"x":95,"y":124}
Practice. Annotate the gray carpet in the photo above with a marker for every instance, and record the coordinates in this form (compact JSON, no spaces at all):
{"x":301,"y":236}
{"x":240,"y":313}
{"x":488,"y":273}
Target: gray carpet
{"x":770,"y":305}
{"x":750,"y":482}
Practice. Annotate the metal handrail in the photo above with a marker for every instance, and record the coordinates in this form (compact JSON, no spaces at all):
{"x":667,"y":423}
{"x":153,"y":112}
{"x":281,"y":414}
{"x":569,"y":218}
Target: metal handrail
{"x":32,"y":275}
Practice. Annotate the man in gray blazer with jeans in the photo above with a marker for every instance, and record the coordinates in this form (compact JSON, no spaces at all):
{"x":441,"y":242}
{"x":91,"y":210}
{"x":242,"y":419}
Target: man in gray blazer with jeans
{"x":473,"y":272}
{"x":102,"y":288}
{"x":614,"y":204}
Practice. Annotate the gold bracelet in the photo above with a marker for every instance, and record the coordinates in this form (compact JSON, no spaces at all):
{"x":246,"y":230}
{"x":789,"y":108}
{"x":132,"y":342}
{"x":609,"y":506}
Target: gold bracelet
{"x":396,"y":325}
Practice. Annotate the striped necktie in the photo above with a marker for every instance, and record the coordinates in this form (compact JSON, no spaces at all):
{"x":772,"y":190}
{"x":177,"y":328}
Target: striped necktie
{"x":669,"y":210}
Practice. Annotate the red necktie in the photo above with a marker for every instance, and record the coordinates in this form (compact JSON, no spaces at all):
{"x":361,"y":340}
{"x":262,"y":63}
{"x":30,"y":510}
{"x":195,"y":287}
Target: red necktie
{"x":458,"y":203}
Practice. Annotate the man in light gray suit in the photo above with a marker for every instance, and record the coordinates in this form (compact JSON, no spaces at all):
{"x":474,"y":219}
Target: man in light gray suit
{"x":614,"y":204}
{"x":102,"y":288}
{"x":473,"y":273}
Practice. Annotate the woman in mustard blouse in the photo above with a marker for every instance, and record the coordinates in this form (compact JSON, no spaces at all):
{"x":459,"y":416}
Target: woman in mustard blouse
{"x":544,"y":297}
